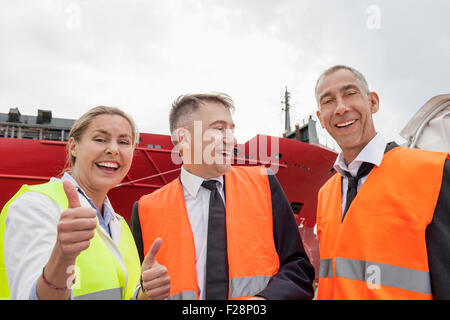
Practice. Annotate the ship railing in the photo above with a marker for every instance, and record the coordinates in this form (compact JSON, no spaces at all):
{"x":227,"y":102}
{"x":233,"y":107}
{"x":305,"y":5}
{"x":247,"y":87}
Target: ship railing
{"x":160,"y":174}
{"x":328,"y":142}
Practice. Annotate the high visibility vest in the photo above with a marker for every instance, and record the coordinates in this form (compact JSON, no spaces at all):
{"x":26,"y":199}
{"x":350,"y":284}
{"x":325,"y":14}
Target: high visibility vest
{"x":252,"y":257}
{"x":379,"y":250}
{"x":99,"y":274}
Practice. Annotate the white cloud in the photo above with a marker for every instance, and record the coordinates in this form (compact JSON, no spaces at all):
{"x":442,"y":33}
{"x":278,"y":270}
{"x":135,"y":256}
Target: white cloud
{"x":141,"y":54}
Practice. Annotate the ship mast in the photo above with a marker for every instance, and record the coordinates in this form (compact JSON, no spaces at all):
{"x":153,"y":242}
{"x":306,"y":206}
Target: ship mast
{"x":287,"y":107}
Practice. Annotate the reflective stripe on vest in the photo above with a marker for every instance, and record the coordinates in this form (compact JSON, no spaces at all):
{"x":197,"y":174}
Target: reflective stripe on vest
{"x":326,"y":268}
{"x":110,"y":294}
{"x":99,"y":274}
{"x":379,"y":250}
{"x":185,"y":295}
{"x":247,"y":286}
{"x":251,"y":248}
{"x":378,"y":274}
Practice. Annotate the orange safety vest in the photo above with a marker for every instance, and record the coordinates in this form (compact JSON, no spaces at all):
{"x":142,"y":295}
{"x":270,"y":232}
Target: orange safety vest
{"x":379,"y":250}
{"x":252,"y":256}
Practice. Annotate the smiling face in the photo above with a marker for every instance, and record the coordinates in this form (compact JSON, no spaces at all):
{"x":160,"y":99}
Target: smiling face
{"x":345,"y":111}
{"x":208,"y":143}
{"x":103,"y":154}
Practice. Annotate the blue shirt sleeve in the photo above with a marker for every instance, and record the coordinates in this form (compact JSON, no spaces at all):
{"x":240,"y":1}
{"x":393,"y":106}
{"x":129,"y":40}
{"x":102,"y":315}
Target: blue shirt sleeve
{"x":33,"y":293}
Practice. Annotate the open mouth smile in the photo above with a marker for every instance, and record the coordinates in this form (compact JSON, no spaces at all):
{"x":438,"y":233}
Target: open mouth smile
{"x":345,"y":124}
{"x":108,"y":166}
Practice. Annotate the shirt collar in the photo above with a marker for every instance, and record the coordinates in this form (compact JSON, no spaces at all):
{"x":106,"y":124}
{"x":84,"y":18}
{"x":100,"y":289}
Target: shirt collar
{"x":192,"y":183}
{"x":373,"y":152}
{"x":108,"y":211}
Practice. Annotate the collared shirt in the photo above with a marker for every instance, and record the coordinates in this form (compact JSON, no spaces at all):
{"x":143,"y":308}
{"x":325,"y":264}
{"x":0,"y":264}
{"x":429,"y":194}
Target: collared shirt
{"x":196,"y":198}
{"x":373,"y":152}
{"x":108,"y":211}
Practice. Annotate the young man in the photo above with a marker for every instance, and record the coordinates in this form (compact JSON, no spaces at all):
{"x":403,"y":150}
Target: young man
{"x":383,"y":219}
{"x":227,"y":232}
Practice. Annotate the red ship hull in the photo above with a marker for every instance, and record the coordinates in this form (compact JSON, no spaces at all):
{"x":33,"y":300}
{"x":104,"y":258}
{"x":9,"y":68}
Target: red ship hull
{"x":301,"y":169}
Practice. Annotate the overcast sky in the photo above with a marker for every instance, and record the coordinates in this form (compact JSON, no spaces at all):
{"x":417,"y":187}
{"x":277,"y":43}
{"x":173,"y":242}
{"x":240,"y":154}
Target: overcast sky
{"x":139,"y":55}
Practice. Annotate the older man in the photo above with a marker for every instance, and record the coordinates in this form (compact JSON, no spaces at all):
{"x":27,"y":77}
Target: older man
{"x":383,"y":219}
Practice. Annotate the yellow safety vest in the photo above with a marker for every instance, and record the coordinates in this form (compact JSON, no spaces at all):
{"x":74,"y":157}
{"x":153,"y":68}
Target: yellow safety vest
{"x":99,"y":274}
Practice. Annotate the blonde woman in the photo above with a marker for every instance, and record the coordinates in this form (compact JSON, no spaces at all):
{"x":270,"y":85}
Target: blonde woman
{"x":63,"y":240}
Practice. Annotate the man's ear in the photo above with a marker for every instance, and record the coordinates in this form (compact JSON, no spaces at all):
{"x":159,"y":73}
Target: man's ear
{"x":374,"y":102}
{"x":183,"y":138}
{"x":182,"y":135}
{"x":318,"y":117}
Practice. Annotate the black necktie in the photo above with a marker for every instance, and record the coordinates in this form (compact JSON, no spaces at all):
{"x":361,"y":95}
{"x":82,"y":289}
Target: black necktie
{"x":352,"y":189}
{"x":363,"y":171}
{"x":216,"y":254}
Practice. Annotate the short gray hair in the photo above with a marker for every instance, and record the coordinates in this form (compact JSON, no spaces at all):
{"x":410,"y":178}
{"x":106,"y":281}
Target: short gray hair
{"x":335,"y":68}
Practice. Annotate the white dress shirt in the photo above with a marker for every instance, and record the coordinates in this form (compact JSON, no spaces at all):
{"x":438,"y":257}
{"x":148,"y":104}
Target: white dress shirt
{"x":373,"y":152}
{"x":196,"y":198}
{"x":30,"y":235}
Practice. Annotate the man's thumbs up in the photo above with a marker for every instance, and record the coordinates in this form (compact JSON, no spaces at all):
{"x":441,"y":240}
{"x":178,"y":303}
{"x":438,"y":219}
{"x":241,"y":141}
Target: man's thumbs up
{"x":155,"y":277}
{"x":150,"y":258}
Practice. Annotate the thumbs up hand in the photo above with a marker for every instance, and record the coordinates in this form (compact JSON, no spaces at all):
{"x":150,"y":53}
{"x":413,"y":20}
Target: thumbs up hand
{"x":155,"y":277}
{"x":76,"y":226}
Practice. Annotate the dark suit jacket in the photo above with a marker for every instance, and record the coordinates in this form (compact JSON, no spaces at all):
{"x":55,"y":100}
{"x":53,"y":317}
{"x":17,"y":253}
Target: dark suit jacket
{"x":437,"y":237}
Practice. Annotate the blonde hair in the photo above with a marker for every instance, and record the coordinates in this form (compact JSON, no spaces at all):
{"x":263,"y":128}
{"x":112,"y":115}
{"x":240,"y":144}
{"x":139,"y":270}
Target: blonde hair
{"x":80,"y":126}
